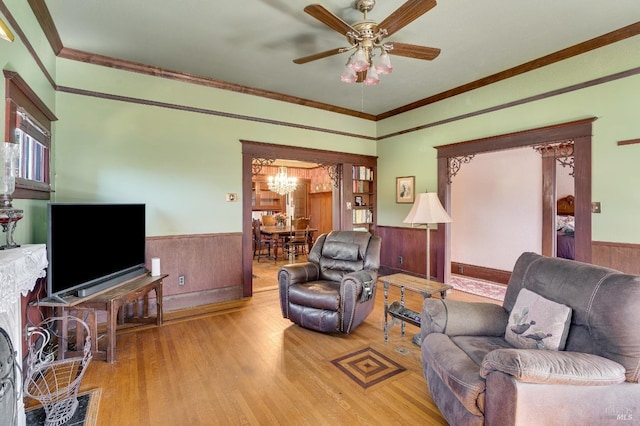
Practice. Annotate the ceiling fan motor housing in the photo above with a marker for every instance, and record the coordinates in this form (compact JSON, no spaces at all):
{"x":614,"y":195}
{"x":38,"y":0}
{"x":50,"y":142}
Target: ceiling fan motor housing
{"x":368,"y":33}
{"x":365,"y":6}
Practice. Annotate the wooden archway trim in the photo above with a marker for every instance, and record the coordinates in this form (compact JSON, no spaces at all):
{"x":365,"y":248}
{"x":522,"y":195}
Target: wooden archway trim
{"x":251,"y":150}
{"x":579,"y":131}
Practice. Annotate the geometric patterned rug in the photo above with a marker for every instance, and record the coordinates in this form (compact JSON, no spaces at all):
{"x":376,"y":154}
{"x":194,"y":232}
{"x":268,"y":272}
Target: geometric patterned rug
{"x":368,"y":367}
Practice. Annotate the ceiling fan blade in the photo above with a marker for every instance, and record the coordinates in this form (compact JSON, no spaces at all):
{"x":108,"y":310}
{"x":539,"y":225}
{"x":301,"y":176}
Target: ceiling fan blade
{"x":329,"y":19}
{"x":316,"y":56}
{"x":413,"y":51}
{"x":405,"y":14}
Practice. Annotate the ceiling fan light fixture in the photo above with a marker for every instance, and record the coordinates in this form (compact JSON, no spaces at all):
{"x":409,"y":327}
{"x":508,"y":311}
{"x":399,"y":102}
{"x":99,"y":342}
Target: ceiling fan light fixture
{"x":348,"y":75}
{"x":384,"y":64}
{"x":365,"y":36}
{"x":359,"y":61}
{"x":372,"y":77}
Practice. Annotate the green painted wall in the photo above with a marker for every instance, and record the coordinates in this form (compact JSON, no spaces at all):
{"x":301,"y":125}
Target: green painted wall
{"x":616,"y":175}
{"x":15,"y":57}
{"x":180,"y":163}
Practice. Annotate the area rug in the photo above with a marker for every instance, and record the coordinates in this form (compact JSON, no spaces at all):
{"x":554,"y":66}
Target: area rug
{"x":86,"y":414}
{"x":478,"y":287}
{"x":368,"y":367}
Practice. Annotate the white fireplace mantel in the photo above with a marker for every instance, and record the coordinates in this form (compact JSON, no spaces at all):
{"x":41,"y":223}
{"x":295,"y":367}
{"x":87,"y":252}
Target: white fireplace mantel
{"x":20,"y":268}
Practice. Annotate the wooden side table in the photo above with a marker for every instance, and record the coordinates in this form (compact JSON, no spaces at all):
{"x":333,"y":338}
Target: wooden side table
{"x":134,"y":291}
{"x":397,"y":310}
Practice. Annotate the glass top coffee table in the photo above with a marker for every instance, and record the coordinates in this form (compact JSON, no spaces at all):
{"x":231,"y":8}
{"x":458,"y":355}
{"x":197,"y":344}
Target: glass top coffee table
{"x":397,"y":310}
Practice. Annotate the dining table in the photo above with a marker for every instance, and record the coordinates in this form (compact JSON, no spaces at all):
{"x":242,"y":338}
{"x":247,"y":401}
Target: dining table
{"x":279,"y":234}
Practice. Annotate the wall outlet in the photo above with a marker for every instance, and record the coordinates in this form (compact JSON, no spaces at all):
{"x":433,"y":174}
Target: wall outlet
{"x":400,"y":260}
{"x":595,"y":207}
{"x":181,"y":280}
{"x":460,"y":269}
{"x":231,"y":197}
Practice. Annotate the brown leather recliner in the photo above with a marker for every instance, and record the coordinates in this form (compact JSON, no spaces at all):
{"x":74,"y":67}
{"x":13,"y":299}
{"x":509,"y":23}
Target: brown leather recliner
{"x":335,"y":290}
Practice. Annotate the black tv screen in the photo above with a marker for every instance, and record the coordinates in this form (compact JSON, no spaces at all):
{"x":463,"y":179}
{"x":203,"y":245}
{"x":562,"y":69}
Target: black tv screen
{"x":90,"y":244}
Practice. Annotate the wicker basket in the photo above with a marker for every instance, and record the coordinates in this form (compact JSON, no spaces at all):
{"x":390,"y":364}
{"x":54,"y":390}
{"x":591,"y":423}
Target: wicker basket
{"x":55,"y":384}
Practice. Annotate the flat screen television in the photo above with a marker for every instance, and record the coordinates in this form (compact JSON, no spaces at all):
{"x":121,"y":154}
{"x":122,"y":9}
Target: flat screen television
{"x":92,"y":246}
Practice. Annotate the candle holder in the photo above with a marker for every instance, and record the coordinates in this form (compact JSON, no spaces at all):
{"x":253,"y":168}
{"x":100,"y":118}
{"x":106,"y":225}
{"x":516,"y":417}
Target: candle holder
{"x":9,"y":217}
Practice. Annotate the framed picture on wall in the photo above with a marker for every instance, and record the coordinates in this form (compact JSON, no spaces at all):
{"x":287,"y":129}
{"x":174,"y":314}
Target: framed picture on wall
{"x":405,"y":189}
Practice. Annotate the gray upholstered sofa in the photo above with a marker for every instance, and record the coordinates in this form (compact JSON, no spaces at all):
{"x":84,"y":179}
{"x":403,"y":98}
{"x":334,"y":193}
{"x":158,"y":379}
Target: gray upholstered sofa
{"x":477,"y":376}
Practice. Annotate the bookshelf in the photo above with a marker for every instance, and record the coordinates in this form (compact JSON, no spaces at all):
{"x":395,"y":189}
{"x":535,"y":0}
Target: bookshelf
{"x":363,"y":197}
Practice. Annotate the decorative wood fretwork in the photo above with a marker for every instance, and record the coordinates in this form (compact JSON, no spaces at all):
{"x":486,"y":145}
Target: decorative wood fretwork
{"x":335,"y":173}
{"x":454,"y":164}
{"x":561,"y":151}
{"x":258,"y":163}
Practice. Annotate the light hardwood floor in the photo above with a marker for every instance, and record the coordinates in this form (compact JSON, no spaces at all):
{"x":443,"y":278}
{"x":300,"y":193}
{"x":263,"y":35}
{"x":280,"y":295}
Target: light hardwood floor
{"x":241,"y":363}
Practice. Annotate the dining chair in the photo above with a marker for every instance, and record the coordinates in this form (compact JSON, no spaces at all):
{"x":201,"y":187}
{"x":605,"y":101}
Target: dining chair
{"x":260,"y":242}
{"x":268,"y":220}
{"x":297,"y":242}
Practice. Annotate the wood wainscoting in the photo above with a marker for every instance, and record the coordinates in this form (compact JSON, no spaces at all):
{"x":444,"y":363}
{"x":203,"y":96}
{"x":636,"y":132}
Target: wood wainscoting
{"x":621,"y":256}
{"x":210,"y":263}
{"x":404,"y":250}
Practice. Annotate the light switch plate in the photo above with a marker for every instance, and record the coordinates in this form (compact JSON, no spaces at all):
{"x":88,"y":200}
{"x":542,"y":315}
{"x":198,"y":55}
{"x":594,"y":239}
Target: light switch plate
{"x":595,"y":207}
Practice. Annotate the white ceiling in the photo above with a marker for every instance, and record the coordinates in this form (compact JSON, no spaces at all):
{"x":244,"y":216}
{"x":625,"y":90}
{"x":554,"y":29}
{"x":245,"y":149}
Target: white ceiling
{"x":253,"y":43}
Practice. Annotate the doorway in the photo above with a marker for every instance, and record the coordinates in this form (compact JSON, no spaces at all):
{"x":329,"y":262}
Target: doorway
{"x":258,"y":150}
{"x":578,"y":132}
{"x":312,"y":193}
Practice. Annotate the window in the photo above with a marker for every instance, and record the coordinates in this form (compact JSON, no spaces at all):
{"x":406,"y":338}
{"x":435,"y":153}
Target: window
{"x":29,"y":125}
{"x":34,"y":148}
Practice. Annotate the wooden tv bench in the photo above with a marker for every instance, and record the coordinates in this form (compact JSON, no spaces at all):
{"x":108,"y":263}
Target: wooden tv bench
{"x":110,"y":300}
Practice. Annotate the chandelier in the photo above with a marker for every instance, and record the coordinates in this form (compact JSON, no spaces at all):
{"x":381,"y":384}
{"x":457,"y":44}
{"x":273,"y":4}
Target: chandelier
{"x":281,"y":183}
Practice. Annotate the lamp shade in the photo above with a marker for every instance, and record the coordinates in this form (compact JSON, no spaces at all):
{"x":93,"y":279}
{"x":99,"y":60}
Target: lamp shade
{"x":372,"y":77}
{"x":359,"y":61}
{"x":348,"y":75}
{"x":427,"y":209}
{"x":384,"y":64}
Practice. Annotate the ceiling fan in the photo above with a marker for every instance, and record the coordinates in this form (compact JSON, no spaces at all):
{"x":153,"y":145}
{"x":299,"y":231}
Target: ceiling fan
{"x":366,"y":38}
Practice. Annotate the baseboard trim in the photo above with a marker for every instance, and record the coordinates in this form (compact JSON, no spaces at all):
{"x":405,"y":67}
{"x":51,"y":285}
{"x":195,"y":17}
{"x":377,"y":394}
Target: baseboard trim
{"x":189,"y":300}
{"x":481,"y":272}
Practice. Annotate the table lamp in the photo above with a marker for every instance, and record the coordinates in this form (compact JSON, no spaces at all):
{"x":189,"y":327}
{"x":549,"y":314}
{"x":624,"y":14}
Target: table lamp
{"x":427,"y":209}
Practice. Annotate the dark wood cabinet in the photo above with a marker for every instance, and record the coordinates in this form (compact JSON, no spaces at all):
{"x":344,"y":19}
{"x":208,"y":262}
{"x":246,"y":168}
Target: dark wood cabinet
{"x":321,"y":218}
{"x":301,"y":199}
{"x":264,"y":199}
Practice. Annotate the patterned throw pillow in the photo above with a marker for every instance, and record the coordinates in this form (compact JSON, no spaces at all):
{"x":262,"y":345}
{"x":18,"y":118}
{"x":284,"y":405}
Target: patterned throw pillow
{"x":538,"y":323}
